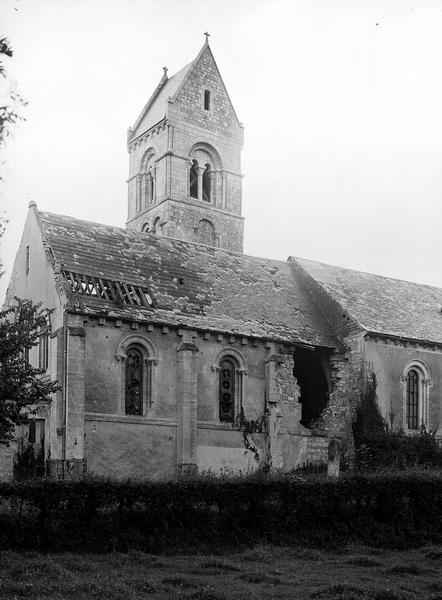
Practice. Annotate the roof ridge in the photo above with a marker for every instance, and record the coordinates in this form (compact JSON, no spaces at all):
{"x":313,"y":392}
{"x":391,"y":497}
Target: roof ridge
{"x":163,"y":81}
{"x":149,"y":103}
{"x":318,"y":262}
{"x":151,"y":235}
{"x":186,"y":77}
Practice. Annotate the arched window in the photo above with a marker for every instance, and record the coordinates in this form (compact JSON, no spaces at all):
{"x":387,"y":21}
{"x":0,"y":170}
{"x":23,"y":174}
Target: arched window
{"x":206,"y":232}
{"x":145,"y":227}
{"x":207,"y":176}
{"x":230,"y":369}
{"x":156,"y":226}
{"x":227,"y":391}
{"x":194,"y":179}
{"x":412,"y":391}
{"x":148,"y":189}
{"x":205,"y":173}
{"x":416,"y":380}
{"x":138,"y":359}
{"x":133,"y":397}
{"x":146,"y":181}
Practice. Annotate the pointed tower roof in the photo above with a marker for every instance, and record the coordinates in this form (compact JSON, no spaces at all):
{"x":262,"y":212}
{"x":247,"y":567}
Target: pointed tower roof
{"x":155,"y":109}
{"x":168,"y":89}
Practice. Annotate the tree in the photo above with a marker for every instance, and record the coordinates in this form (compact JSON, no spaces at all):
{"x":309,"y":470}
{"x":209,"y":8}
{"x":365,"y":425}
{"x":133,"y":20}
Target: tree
{"x":2,"y":231}
{"x":368,"y":422}
{"x":11,"y":103}
{"x":21,"y":387}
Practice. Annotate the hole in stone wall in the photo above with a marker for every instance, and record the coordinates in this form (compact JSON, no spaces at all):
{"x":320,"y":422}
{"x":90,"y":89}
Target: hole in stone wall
{"x":312,"y":374}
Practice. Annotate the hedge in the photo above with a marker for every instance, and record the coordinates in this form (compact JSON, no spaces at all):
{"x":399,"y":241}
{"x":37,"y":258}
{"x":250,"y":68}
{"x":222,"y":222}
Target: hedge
{"x":396,"y":510}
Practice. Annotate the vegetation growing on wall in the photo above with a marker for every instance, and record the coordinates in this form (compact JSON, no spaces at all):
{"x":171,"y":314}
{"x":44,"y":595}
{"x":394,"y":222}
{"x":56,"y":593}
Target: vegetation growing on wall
{"x":30,"y":463}
{"x":377,"y":446}
{"x":248,"y":427}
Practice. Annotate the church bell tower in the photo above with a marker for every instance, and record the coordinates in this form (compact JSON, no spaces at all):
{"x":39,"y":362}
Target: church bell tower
{"x":185,"y":159}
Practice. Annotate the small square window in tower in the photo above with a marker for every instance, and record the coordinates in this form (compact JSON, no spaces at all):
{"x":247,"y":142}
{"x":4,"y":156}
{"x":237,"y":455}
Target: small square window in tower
{"x":206,"y":100}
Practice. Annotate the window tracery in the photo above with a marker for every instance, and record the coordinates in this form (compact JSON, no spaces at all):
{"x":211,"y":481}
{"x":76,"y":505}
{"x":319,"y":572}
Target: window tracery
{"x":227,"y":391}
{"x":230,"y":369}
{"x":133,"y":397}
{"x":138,"y":357}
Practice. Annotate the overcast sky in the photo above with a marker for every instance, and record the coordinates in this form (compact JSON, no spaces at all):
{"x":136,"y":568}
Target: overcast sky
{"x":341,"y":102}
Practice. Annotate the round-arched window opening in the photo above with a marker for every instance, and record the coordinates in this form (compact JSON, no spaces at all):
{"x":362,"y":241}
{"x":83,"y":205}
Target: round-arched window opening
{"x":417,"y":383}
{"x":207,"y":183}
{"x":194,"y":179}
{"x":134,"y":382}
{"x":145,"y":228}
{"x":145,"y":193}
{"x":226,"y":391}
{"x":206,"y":232}
{"x":156,"y":226}
{"x":412,"y":391}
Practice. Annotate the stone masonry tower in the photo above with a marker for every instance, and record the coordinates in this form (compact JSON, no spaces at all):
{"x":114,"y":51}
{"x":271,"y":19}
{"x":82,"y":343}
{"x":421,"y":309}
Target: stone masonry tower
{"x":185,"y":159}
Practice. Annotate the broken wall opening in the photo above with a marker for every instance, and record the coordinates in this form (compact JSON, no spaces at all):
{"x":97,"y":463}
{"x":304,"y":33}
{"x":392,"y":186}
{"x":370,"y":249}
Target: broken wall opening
{"x":312,"y":372}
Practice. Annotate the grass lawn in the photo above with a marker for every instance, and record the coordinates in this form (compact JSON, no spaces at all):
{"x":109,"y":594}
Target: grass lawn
{"x":262,"y":573}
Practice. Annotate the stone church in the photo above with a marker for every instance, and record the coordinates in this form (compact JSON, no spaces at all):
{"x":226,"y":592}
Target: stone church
{"x":175,"y":351}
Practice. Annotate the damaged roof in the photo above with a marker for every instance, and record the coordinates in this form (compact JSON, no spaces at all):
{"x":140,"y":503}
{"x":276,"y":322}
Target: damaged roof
{"x":382,"y":304}
{"x":191,"y":285}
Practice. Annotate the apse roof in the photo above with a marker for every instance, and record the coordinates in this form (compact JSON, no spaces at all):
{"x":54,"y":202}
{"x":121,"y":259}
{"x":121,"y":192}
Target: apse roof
{"x":169,"y":281}
{"x":382,"y":304}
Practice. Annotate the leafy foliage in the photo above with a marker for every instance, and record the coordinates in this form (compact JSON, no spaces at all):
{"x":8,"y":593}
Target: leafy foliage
{"x":368,"y":420}
{"x":393,"y":510}
{"x":30,"y":464}
{"x":20,"y":384}
{"x":3,"y":223}
{"x":11,"y":103}
{"x":378,"y":447}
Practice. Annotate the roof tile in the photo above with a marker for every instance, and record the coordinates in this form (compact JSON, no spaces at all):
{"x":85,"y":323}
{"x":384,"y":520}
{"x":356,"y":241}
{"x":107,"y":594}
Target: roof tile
{"x":221,"y":290}
{"x":382,"y":304}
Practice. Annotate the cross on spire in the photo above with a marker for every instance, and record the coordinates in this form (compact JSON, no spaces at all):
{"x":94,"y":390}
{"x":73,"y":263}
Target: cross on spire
{"x":207,"y":36}
{"x":165,"y":69}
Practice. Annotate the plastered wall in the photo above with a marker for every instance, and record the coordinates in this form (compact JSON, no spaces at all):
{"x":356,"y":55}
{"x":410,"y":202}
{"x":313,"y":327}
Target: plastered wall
{"x":388,"y":359}
{"x":120,"y":445}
